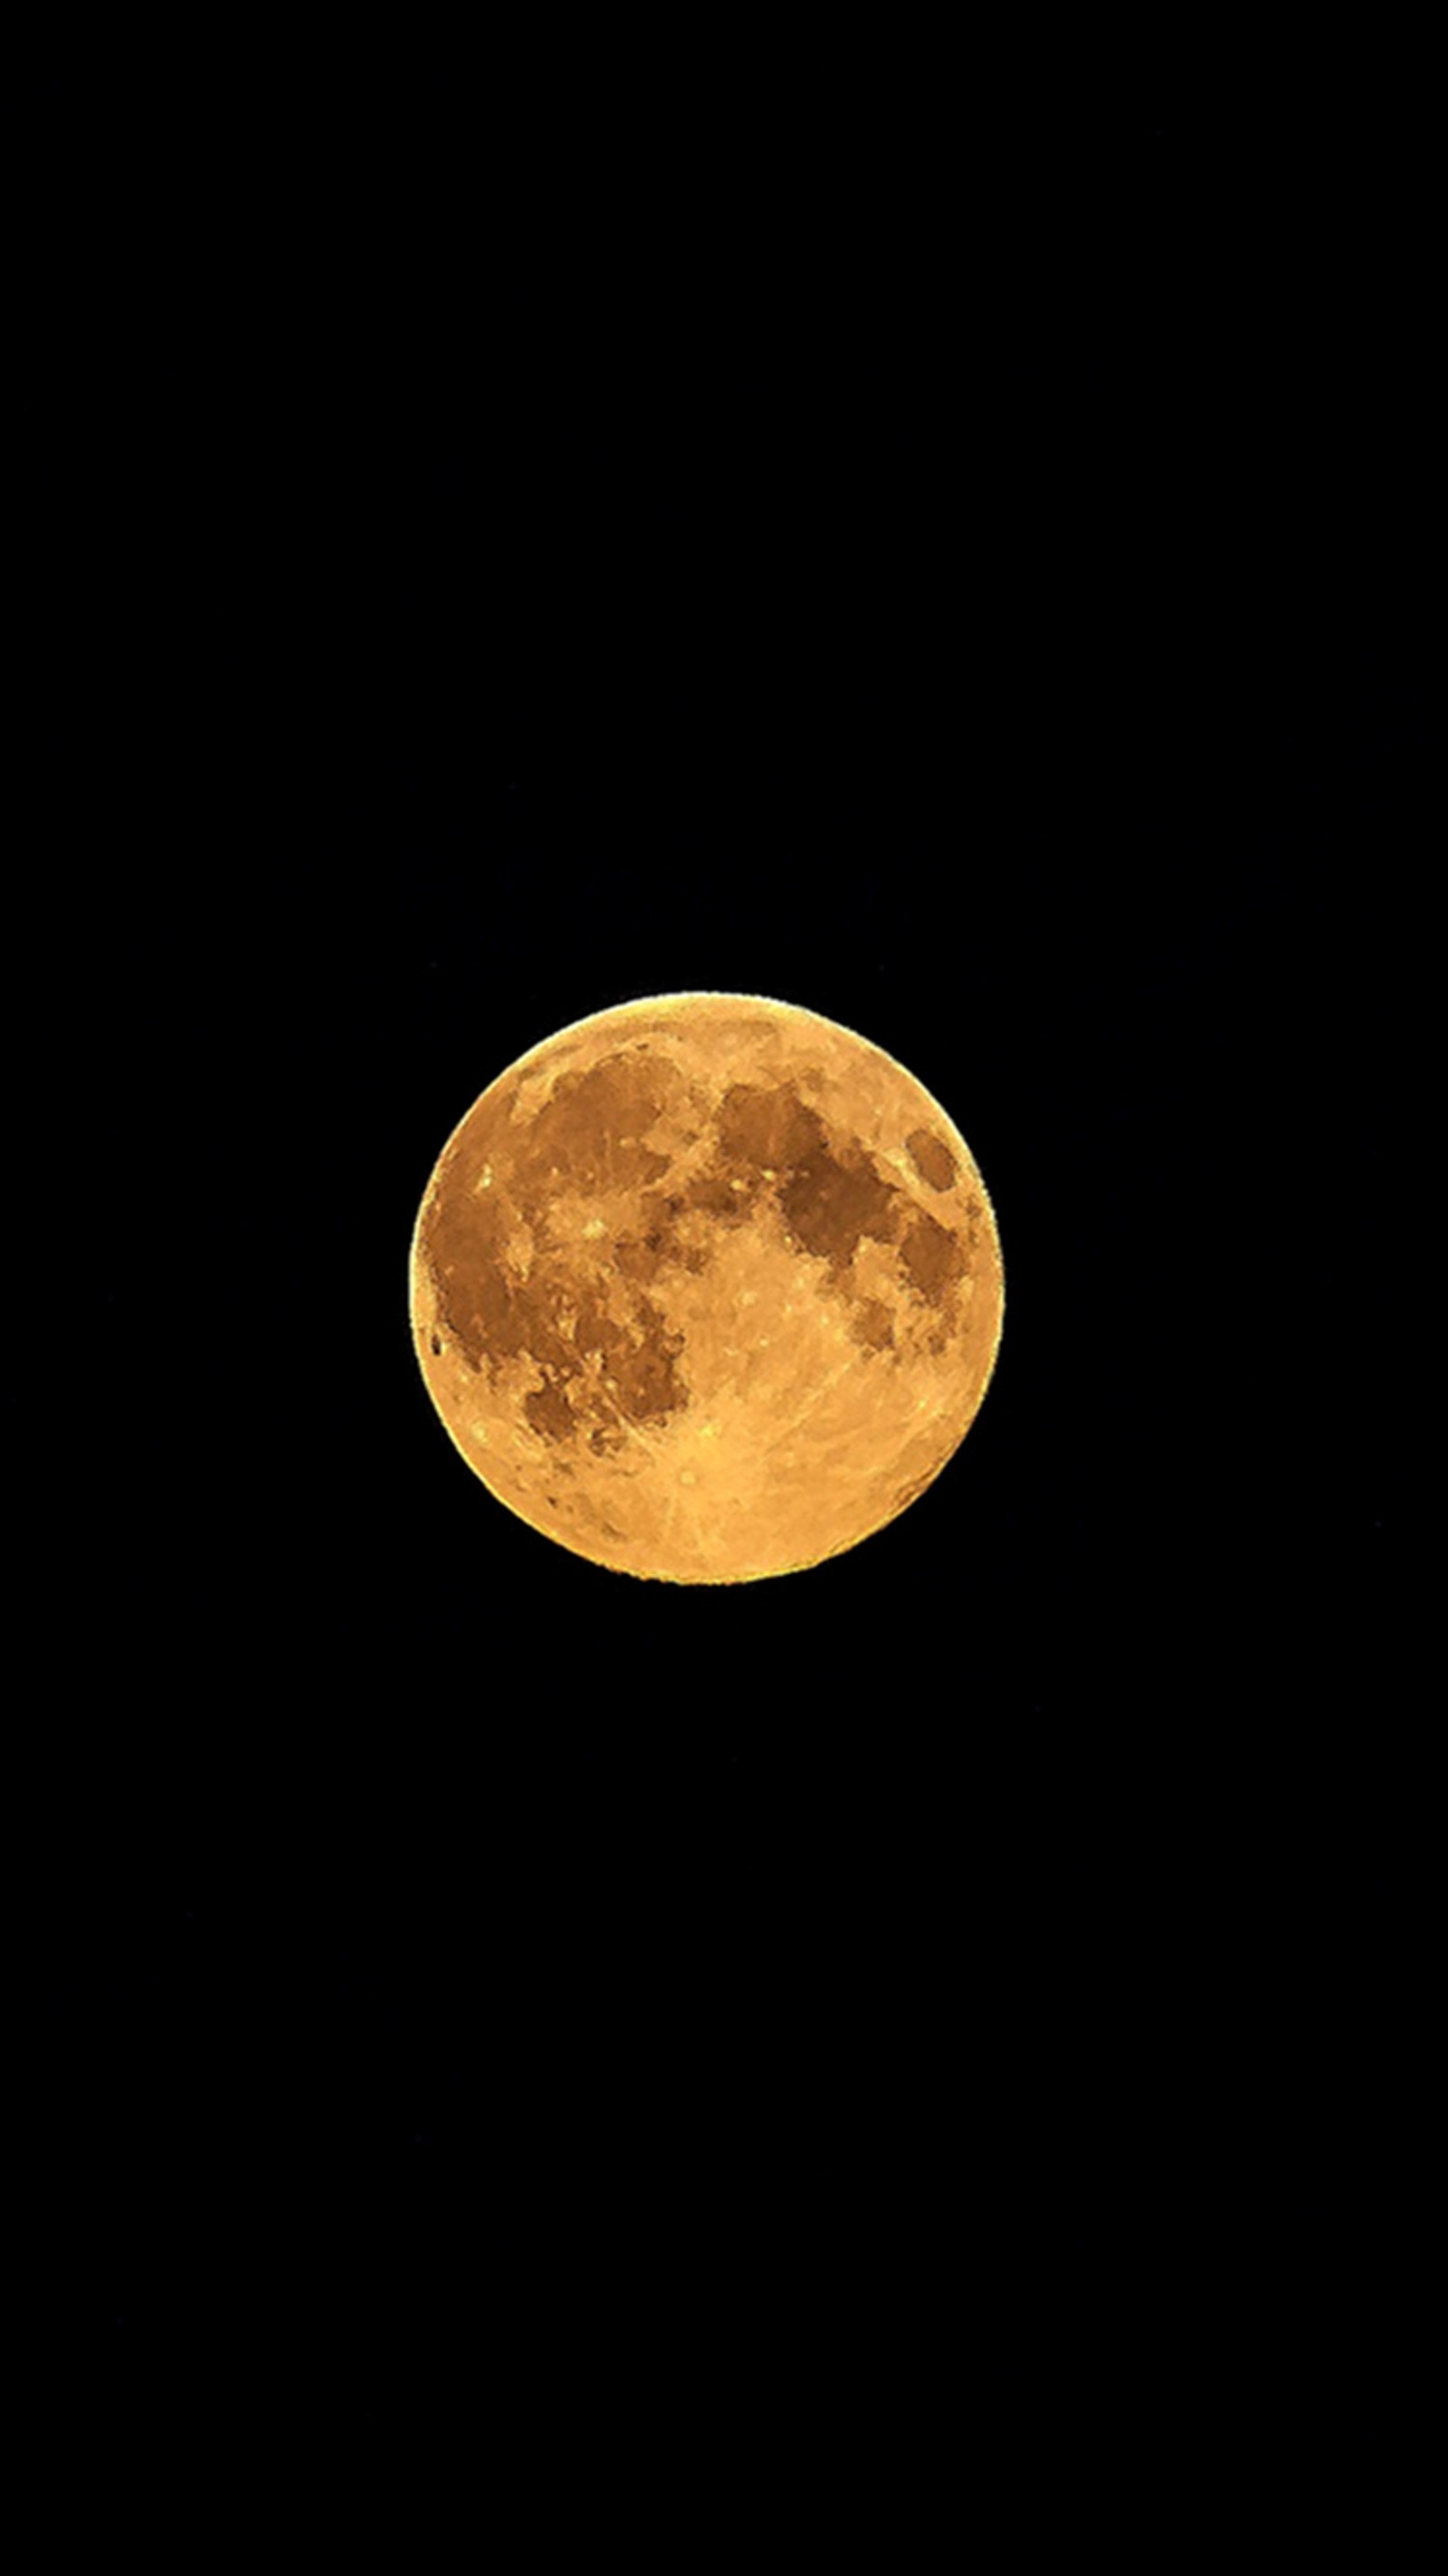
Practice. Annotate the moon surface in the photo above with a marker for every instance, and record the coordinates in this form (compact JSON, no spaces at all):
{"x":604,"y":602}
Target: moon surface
{"x":706,"y":1288}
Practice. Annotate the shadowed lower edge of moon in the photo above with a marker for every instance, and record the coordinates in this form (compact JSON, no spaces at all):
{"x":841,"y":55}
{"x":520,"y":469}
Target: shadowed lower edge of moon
{"x":507,"y":1284}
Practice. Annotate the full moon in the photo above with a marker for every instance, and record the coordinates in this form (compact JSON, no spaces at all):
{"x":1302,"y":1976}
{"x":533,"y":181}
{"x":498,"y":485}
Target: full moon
{"x":706,"y":1288}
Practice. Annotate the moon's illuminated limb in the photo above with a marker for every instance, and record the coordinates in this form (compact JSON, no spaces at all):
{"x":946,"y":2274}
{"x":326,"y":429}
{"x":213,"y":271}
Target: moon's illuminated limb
{"x":706,"y":1287}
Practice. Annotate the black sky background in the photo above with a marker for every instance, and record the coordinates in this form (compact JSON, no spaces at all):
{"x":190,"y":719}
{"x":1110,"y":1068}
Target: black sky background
{"x":997,"y":628}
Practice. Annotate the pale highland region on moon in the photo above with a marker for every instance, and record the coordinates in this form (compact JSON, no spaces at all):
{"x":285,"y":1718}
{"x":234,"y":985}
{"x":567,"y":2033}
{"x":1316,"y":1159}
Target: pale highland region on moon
{"x":706,"y":1287}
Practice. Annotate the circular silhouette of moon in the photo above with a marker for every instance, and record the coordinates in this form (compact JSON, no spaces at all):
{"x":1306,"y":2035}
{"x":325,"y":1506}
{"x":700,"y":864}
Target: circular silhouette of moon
{"x":706,"y":1288}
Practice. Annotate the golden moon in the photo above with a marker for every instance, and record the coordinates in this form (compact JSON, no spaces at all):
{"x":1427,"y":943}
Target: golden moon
{"x":706,"y":1288}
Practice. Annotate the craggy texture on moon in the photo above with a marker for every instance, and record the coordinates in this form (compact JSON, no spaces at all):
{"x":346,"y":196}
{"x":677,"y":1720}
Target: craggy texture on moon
{"x":706,"y":1288}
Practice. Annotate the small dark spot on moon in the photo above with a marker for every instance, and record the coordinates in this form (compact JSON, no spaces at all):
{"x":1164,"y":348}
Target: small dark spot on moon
{"x":932,"y":1160}
{"x":436,"y":1347}
{"x":549,"y":1411}
{"x":870,"y":1325}
{"x":931,"y":1258}
{"x":771,"y":1129}
{"x":831,"y":1199}
{"x":638,"y":1260}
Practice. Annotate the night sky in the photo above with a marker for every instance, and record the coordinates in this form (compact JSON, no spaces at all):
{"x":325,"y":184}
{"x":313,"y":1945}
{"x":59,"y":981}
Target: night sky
{"x":999,"y":634}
